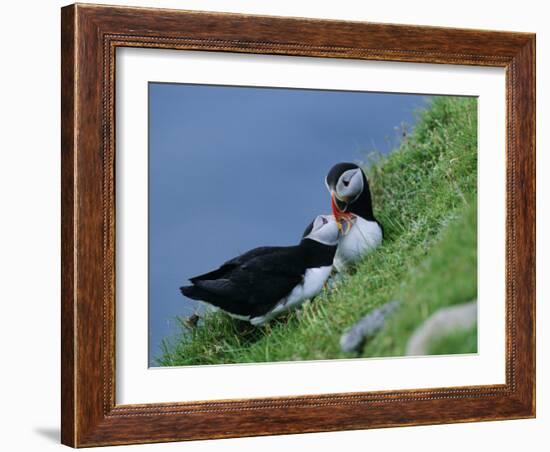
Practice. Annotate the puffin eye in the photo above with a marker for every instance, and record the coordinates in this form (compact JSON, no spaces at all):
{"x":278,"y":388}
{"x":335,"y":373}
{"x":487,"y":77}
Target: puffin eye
{"x":325,"y":221}
{"x":345,"y":182}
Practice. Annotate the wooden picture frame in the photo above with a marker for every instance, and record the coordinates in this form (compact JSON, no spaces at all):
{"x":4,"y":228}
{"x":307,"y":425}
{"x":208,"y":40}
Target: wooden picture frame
{"x":90,"y":36}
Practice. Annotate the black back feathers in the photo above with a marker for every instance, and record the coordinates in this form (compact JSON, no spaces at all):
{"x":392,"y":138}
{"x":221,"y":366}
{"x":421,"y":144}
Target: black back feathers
{"x":251,"y":284}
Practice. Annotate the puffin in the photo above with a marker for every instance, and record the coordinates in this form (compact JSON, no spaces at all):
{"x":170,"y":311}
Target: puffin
{"x":352,"y":208}
{"x":267,"y":281}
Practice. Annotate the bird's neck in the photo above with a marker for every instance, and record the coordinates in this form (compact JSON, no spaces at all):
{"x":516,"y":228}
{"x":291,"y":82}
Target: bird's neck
{"x":362,"y":206}
{"x":317,"y":254}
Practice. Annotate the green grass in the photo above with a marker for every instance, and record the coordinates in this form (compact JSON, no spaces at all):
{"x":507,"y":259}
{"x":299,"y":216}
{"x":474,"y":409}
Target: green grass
{"x":445,"y":276}
{"x":425,"y":196}
{"x":460,"y":341}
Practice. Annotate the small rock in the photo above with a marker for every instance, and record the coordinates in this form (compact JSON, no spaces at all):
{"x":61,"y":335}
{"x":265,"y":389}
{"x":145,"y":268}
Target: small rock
{"x":440,"y":324}
{"x":354,"y":338}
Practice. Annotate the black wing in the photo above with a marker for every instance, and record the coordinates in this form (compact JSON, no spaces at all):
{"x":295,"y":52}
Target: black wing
{"x":251,"y":286}
{"x":231,"y":264}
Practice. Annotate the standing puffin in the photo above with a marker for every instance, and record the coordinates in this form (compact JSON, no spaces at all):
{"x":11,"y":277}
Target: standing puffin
{"x":352,"y":206}
{"x":267,"y":281}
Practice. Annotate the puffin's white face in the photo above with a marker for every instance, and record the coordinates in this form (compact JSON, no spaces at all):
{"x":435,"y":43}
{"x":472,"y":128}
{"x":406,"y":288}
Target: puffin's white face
{"x":349,"y":185}
{"x":324,"y":230}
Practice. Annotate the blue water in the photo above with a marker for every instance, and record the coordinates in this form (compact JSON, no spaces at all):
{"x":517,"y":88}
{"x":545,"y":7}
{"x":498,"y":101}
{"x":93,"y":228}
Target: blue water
{"x":233,"y":168}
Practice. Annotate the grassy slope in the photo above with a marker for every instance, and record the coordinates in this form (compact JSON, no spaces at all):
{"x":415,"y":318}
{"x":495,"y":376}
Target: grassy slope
{"x":461,"y":341}
{"x":425,"y":196}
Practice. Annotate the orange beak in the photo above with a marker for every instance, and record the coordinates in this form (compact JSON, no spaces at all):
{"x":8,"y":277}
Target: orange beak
{"x":338,"y":214}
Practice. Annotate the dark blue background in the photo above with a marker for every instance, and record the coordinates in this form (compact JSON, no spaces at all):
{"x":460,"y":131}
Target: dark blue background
{"x":232,"y":168}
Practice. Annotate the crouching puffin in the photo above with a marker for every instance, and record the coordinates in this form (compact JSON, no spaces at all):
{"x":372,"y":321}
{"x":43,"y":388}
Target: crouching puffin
{"x":267,"y":281}
{"x":352,"y":208}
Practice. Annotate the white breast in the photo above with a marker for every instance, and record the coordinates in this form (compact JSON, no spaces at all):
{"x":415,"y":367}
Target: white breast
{"x":314,"y":279}
{"x":363,"y":237}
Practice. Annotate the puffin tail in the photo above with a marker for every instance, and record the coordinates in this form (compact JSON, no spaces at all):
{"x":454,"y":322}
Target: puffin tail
{"x":232,"y":307}
{"x":192,"y":292}
{"x":197,"y":292}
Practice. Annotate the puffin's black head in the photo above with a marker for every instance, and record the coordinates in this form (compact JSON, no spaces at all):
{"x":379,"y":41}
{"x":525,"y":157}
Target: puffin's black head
{"x":350,"y":192}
